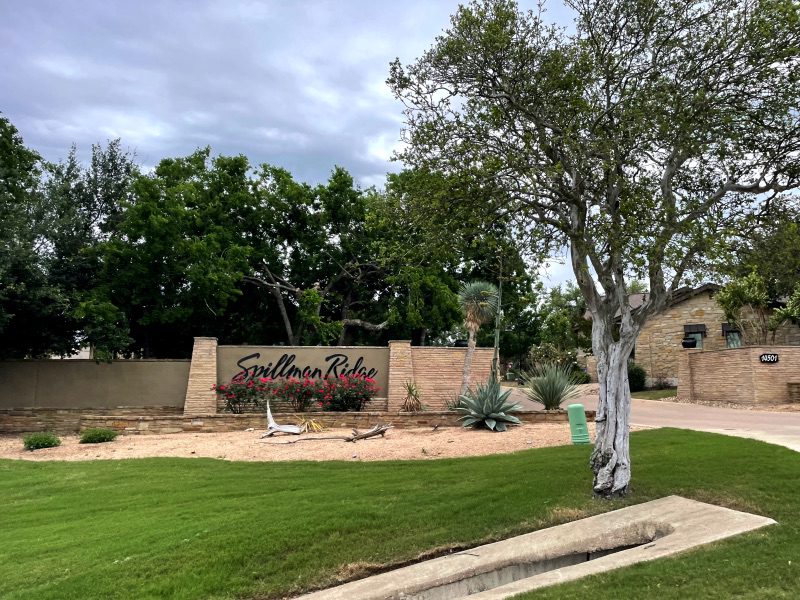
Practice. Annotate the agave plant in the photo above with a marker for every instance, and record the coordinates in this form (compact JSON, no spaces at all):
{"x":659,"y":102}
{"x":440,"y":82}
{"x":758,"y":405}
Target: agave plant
{"x":550,"y":385}
{"x":488,"y":407}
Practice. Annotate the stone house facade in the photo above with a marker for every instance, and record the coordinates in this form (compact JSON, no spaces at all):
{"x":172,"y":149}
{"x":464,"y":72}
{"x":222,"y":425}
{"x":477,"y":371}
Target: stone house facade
{"x":693,"y":313}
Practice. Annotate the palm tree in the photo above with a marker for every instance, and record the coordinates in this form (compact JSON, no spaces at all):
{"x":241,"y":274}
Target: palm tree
{"x":478,"y":300}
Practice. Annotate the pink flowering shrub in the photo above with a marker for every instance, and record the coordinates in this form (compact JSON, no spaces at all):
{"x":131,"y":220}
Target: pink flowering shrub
{"x":343,"y":393}
{"x":240,"y":393}
{"x":346,"y":393}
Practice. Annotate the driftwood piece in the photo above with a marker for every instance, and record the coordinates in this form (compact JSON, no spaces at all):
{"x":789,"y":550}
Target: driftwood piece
{"x":380,"y":430}
{"x":377,"y":430}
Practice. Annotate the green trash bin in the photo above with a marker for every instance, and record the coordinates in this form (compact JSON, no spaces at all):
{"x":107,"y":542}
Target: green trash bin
{"x":577,"y":424}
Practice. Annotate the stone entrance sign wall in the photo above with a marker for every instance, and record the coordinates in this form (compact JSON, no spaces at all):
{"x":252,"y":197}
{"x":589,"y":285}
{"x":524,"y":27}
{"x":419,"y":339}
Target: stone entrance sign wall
{"x":315,"y":362}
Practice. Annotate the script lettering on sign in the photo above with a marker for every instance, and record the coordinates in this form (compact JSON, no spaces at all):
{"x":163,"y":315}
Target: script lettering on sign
{"x":768,"y":358}
{"x":335,"y":365}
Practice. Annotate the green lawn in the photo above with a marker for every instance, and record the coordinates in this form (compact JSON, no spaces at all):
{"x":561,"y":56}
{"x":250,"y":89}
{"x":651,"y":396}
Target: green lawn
{"x":655,"y":394}
{"x":197,"y":528}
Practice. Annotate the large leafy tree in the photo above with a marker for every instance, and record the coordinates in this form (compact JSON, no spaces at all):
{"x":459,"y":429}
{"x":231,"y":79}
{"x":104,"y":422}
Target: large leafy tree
{"x":633,"y":141}
{"x":172,"y":265}
{"x":30,"y":307}
{"x":83,"y":207}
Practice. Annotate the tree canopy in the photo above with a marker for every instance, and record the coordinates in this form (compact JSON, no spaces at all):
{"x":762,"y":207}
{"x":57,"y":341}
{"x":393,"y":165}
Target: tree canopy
{"x":136,"y":263}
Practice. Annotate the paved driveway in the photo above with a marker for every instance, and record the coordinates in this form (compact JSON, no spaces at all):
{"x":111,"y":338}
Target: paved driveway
{"x":781,"y":428}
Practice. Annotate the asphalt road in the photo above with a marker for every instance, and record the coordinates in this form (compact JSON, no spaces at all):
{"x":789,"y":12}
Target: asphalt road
{"x":782,"y":428}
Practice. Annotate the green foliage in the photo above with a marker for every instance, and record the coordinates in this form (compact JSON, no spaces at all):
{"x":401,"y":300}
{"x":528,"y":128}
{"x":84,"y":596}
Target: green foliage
{"x":308,"y":313}
{"x":98,"y":435}
{"x":771,"y":248}
{"x":346,"y":393}
{"x":790,"y":312}
{"x":550,"y":385}
{"x":745,"y":302}
{"x":564,"y":323}
{"x":636,"y":377}
{"x":42,"y":439}
{"x":173,"y":264}
{"x":547,"y":354}
{"x":580,"y":377}
{"x":32,"y":306}
{"x":487,"y":407}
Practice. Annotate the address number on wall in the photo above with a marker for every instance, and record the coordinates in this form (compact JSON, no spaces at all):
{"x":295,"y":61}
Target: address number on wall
{"x":768,"y":358}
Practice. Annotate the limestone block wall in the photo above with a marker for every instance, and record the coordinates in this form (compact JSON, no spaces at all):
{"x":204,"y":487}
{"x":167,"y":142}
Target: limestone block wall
{"x":438,"y":371}
{"x":738,"y":375}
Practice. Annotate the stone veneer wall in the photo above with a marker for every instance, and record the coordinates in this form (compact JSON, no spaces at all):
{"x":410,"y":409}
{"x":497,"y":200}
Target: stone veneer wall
{"x":71,"y":420}
{"x":737,"y":375}
{"x":436,"y":371}
{"x":361,"y":421}
{"x":161,"y":420}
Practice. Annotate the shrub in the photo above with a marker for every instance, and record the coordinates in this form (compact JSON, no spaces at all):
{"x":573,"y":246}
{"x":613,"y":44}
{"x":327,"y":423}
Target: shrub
{"x":487,"y":407}
{"x":540,"y":357}
{"x":346,"y":393}
{"x":550,"y":385}
{"x":299,"y":393}
{"x":42,"y":439}
{"x":98,"y":435}
{"x":240,"y":393}
{"x":636,"y":377}
{"x":579,"y":376}
{"x":548,"y":354}
{"x":342,"y":393}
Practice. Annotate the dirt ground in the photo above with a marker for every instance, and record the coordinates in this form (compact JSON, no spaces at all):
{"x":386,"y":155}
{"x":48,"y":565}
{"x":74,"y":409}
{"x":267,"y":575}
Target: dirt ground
{"x":398,"y":444}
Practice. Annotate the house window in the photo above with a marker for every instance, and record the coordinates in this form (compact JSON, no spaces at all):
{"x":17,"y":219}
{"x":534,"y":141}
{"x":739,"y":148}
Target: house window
{"x":733,"y":337}
{"x":696,"y":332}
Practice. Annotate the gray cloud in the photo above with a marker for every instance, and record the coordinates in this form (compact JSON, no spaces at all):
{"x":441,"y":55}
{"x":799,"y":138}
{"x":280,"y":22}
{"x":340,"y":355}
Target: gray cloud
{"x":296,"y":84}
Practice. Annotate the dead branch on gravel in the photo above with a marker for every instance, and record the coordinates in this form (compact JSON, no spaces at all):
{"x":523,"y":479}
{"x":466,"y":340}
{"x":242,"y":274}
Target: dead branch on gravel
{"x":379,"y":429}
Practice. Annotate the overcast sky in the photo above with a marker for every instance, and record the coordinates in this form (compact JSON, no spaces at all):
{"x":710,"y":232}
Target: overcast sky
{"x":298,"y":84}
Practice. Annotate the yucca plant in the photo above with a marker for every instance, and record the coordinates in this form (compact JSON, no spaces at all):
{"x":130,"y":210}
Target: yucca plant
{"x":488,"y":407}
{"x":550,"y":385}
{"x":479,"y":302}
{"x":412,"y":403}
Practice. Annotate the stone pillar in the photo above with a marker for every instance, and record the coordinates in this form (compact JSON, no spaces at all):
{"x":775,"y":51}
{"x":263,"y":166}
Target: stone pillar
{"x":200,"y":398}
{"x":685,"y":383}
{"x":401,"y":370}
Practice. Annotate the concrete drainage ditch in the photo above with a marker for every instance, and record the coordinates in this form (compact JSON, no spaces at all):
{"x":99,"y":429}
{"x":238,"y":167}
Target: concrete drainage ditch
{"x":609,"y":541}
